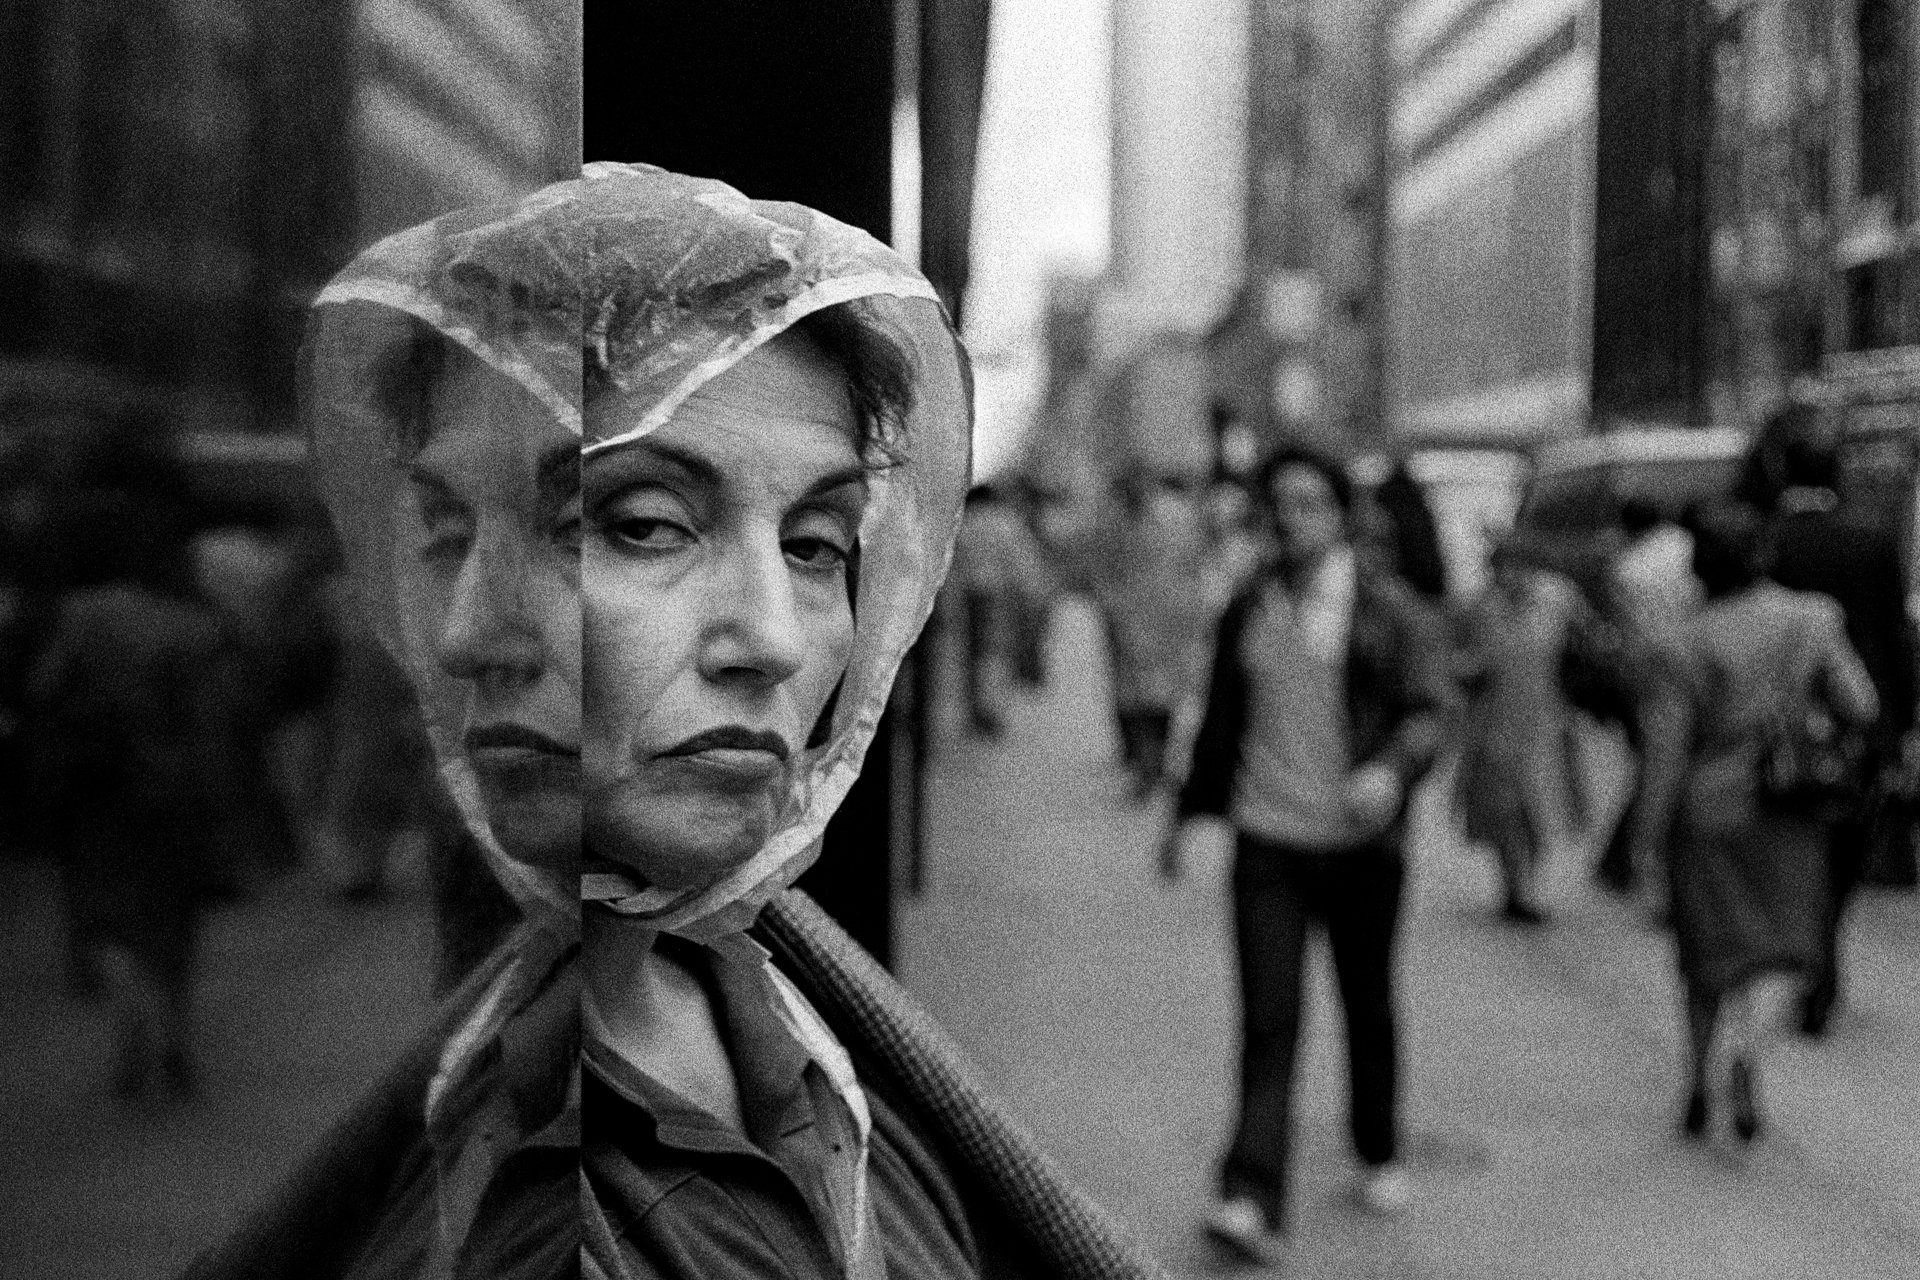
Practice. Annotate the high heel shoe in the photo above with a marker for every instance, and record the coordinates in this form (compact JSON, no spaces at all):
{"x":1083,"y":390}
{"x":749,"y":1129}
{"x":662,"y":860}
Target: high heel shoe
{"x":1746,"y":1115}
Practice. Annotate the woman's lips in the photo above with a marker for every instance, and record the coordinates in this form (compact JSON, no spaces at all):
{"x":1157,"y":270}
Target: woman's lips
{"x":517,"y":749}
{"x":733,"y":752}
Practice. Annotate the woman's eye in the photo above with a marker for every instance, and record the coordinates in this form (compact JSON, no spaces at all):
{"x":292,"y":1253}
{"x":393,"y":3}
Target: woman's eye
{"x":648,"y":533}
{"x":449,"y":535}
{"x":443,"y":548}
{"x":818,"y":554}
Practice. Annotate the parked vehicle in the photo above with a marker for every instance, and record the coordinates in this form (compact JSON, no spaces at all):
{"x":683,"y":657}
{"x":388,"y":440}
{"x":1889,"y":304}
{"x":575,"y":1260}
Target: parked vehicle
{"x":1873,"y":403}
{"x":1569,"y":519}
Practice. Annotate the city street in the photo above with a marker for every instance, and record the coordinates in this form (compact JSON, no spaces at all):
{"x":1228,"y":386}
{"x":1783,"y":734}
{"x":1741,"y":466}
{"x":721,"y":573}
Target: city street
{"x":1542,"y":1082}
{"x":1541,"y":1085}
{"x":299,"y":1002}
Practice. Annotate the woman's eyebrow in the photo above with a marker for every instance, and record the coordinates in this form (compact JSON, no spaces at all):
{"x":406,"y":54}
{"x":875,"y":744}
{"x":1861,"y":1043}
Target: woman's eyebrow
{"x":836,"y":480}
{"x":699,"y":469}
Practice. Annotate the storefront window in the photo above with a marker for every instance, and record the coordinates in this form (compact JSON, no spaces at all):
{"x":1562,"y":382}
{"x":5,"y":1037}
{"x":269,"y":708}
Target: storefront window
{"x":1883,"y":80}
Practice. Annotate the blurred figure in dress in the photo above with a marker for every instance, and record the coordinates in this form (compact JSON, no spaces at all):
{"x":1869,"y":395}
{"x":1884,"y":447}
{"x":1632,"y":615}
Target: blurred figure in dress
{"x":1154,"y":597}
{"x":1747,"y":868}
{"x":1516,"y":788}
{"x":985,"y":597}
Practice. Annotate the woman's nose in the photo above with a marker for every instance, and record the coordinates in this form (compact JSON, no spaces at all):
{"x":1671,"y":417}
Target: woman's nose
{"x":757,"y":632}
{"x":490,"y":635}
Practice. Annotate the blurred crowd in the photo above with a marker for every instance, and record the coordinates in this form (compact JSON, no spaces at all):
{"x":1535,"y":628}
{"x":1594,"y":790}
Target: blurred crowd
{"x":1292,"y":654}
{"x":189,"y":709}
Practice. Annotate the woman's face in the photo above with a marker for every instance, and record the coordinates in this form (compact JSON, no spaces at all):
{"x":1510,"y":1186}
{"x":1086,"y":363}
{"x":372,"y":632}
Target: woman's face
{"x":1306,"y":513}
{"x":719,"y":617}
{"x":491,"y":584}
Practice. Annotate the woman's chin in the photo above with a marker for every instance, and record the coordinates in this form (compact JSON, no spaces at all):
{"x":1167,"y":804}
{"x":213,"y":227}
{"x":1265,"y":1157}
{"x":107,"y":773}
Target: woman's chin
{"x":542,"y":833}
{"x":678,"y":846}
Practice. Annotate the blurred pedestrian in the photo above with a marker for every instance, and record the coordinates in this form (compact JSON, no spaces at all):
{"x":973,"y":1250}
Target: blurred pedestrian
{"x":1516,"y":788}
{"x":1763,"y":476}
{"x":1650,"y":592}
{"x":985,"y":591}
{"x":1037,"y":589}
{"x":1747,"y":863}
{"x":243,"y":577}
{"x":1412,"y":531}
{"x":1819,"y":545}
{"x":138,"y":780}
{"x":1237,"y":542}
{"x":1326,"y":706}
{"x":1153,"y":596}
{"x":379,"y":766}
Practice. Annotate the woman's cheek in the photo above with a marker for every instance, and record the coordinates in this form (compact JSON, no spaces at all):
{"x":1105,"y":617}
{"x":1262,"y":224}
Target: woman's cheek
{"x":832,"y":643}
{"x":561,"y":611}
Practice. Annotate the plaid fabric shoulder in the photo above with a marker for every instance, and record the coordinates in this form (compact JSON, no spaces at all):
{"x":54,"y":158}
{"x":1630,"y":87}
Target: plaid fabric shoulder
{"x":1070,"y":1234}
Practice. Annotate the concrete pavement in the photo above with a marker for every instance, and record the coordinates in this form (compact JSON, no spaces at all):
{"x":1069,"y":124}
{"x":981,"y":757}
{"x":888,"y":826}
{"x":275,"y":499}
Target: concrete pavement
{"x":1542,"y":1083}
{"x":299,"y":1002}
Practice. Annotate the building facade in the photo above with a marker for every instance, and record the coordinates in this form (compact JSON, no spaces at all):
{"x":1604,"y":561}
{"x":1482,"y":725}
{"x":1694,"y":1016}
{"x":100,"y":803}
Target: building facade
{"x":1804,"y":130}
{"x":1178,"y":233}
{"x":177,"y":177}
{"x":1301,"y":352}
{"x":1490,"y":256}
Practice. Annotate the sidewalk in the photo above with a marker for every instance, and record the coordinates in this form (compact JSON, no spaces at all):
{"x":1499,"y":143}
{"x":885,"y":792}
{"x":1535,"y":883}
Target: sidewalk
{"x":300,"y":1001}
{"x":1543,"y":1068}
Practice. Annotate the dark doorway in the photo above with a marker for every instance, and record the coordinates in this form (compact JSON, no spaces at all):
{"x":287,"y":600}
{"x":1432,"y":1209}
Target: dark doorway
{"x":785,"y":100}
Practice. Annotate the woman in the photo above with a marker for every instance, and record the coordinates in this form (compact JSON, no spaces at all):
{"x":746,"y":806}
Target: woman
{"x":1747,"y":877}
{"x":652,"y":486}
{"x":1516,"y":786}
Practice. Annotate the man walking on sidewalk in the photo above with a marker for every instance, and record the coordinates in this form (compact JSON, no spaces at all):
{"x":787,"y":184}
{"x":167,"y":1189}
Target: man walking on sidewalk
{"x":1325,"y":707}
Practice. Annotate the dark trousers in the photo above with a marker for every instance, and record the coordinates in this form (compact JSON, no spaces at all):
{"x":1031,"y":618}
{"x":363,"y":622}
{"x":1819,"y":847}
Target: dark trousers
{"x":1143,"y":745}
{"x":1615,"y":867}
{"x":983,"y":622}
{"x":1278,"y":893}
{"x":1847,"y":845}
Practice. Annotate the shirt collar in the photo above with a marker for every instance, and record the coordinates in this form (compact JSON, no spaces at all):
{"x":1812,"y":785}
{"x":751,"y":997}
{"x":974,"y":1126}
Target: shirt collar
{"x":775,"y":1036}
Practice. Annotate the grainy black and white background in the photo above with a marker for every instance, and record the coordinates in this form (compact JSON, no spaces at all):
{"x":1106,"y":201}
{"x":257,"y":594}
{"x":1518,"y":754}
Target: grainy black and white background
{"x":1468,"y":233}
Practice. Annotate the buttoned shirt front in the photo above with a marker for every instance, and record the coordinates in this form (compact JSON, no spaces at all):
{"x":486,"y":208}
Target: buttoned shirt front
{"x":823,"y":1182}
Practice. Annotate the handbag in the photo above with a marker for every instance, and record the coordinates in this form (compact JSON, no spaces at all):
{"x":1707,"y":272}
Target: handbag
{"x":1594,"y":668}
{"x":1813,"y":763}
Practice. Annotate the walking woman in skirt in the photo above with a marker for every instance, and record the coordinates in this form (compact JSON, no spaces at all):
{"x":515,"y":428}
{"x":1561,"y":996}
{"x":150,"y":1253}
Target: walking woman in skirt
{"x":1747,"y":877}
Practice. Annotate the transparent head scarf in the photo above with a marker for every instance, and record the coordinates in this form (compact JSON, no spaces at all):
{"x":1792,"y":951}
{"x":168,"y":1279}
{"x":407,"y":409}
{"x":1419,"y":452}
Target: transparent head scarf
{"x":628,"y":289}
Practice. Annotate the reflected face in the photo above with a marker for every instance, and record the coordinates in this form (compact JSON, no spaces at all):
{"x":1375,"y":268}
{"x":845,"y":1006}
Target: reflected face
{"x":718,"y":616}
{"x":490,"y":565}
{"x":1307,"y":514}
